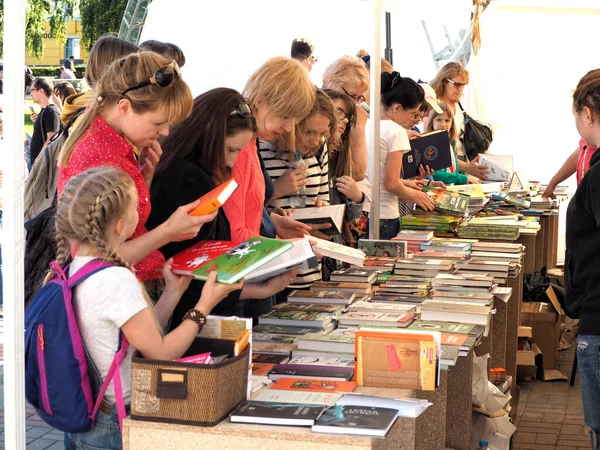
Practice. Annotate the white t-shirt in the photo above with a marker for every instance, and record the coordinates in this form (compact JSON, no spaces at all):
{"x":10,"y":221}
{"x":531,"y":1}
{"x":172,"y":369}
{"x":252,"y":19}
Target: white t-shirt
{"x":103,"y":304}
{"x":393,"y":138}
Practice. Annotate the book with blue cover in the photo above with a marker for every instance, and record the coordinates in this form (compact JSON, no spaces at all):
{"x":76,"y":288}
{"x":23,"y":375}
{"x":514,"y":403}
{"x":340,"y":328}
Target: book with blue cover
{"x":430,"y":149}
{"x":359,"y":420}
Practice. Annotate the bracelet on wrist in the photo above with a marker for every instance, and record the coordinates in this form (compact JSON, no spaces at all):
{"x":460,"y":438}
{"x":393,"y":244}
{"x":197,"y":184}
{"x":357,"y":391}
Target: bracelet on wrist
{"x":197,"y":317}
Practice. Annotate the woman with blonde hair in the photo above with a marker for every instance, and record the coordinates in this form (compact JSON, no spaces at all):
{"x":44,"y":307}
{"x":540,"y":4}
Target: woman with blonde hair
{"x":137,"y":100}
{"x":280,"y":93}
{"x":350,"y":76}
{"x":449,"y":85}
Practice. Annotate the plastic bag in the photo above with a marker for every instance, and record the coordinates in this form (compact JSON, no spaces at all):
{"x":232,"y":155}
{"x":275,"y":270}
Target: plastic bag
{"x":477,"y":137}
{"x":535,"y":286}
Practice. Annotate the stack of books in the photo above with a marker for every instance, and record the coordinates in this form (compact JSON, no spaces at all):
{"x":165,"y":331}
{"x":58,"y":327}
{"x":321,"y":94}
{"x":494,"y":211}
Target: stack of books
{"x":322,"y":297}
{"x":354,"y":319}
{"x":414,"y":238}
{"x":449,"y":202}
{"x":500,"y":252}
{"x":359,"y":289}
{"x":339,"y":343}
{"x":479,"y":266}
{"x":424,"y":268}
{"x":476,"y":194}
{"x":403,"y":289}
{"x":445,"y":248}
{"x":438,"y":223}
{"x":354,"y":275}
{"x":480,"y":229}
{"x":457,"y":338}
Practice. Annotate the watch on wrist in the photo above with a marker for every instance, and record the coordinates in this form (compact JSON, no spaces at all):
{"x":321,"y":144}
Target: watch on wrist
{"x":197,"y":317}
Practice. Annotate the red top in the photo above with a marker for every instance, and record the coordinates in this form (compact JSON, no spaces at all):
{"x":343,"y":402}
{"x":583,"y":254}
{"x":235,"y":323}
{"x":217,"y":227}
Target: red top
{"x":583,"y":163}
{"x":244,"y":208}
{"x":102,"y":146}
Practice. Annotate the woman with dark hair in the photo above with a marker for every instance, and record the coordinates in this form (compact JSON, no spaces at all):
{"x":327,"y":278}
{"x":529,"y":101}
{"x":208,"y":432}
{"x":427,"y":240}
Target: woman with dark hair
{"x":400,"y":100}
{"x":166,"y":49}
{"x":199,"y":155}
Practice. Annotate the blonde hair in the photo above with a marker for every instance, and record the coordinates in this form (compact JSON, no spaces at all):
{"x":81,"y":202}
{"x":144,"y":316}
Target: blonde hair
{"x":106,"y":50}
{"x":447,"y":109}
{"x":284,"y":84}
{"x":449,"y":71}
{"x":176,"y":98}
{"x":345,"y":70}
{"x":362,"y":53}
{"x":386,"y":66}
{"x":90,"y":204}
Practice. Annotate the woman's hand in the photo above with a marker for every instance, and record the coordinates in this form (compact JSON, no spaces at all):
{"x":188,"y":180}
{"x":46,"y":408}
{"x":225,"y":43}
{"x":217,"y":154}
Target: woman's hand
{"x":413,"y":134}
{"x":361,"y":118}
{"x":177,"y":284}
{"x":347,"y":186}
{"x":423,"y":200}
{"x":320,"y":203}
{"x":213,"y":293}
{"x":271,"y":287}
{"x":414,"y":184}
{"x":288,"y":228}
{"x":438,"y":184}
{"x":282,"y":212}
{"x":291,"y":181}
{"x":549,"y":191}
{"x":181,"y":226}
{"x":316,"y":227}
{"x":473,"y":168}
{"x":149,"y":157}
{"x":473,"y":180}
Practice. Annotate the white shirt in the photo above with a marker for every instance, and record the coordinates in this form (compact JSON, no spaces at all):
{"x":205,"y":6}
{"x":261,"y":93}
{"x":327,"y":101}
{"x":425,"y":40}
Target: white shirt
{"x":103,"y":304}
{"x":393,"y":138}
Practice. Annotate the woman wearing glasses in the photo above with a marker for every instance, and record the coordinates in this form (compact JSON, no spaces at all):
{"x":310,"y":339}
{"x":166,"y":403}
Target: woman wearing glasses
{"x":350,"y":76}
{"x":137,"y":100}
{"x":192,"y":166}
{"x":449,"y":85}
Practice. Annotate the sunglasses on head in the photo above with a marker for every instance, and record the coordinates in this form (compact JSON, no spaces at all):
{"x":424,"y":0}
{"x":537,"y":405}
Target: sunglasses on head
{"x":162,"y":77}
{"x":243,"y":110}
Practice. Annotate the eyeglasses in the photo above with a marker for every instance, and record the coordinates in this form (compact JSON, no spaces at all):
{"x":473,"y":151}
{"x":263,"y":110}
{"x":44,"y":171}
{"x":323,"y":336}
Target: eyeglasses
{"x":243,"y":110}
{"x":163,"y":77}
{"x":341,"y":115}
{"x":418,"y":117}
{"x":456,"y":83}
{"x":33,"y":89}
{"x":356,"y":98}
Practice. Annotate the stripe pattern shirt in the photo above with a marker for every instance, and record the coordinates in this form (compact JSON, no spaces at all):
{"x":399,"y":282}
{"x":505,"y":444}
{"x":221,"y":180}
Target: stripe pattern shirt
{"x":317,"y":188}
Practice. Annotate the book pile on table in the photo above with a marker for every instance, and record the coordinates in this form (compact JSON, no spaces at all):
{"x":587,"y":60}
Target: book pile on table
{"x":414,"y":238}
{"x":409,"y":289}
{"x":500,"y":252}
{"x":476,"y":194}
{"x":438,"y":223}
{"x":445,"y":249}
{"x":458,"y":339}
{"x":449,"y":202}
{"x":490,"y":229}
{"x":460,"y":298}
{"x":478,"y":266}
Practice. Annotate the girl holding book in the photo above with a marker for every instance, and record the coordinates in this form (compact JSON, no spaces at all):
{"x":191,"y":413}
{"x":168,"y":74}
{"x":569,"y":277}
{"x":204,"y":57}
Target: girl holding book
{"x":191,"y":167}
{"x":98,"y":212}
{"x":138,"y":98}
{"x":400,"y":100}
{"x":445,"y":121}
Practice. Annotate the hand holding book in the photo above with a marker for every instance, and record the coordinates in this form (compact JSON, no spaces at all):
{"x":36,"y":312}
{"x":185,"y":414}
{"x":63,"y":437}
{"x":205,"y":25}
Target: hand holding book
{"x":213,"y":293}
{"x":181,"y":226}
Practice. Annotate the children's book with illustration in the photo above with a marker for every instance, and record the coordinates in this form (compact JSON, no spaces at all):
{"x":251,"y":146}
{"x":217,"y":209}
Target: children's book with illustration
{"x":449,"y":202}
{"x":430,"y":149}
{"x":300,"y":256}
{"x":231,"y":262}
{"x":214,"y":199}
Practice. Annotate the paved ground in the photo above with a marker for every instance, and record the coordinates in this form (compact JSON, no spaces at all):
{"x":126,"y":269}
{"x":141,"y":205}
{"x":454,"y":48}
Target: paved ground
{"x":551,"y":413}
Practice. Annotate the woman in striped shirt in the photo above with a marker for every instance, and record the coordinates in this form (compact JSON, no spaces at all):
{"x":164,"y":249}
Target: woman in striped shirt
{"x":311,"y":134}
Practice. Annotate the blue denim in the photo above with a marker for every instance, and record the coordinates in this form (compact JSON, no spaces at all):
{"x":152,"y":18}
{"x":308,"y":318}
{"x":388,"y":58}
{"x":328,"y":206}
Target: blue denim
{"x":588,"y":358}
{"x":104,"y":436}
{"x":389,"y":228}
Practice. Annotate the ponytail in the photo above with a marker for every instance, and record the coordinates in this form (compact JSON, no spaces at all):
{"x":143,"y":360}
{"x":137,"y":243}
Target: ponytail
{"x":396,"y":89}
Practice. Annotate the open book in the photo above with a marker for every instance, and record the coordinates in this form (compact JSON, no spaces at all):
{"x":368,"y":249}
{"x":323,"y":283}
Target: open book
{"x":501,"y":166}
{"x":300,"y":255}
{"x":337,"y":251}
{"x":333,"y":214}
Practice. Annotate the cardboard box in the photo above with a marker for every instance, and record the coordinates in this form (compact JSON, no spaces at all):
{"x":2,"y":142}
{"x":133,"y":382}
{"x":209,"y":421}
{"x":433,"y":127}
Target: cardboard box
{"x":545,"y":320}
{"x":528,"y":362}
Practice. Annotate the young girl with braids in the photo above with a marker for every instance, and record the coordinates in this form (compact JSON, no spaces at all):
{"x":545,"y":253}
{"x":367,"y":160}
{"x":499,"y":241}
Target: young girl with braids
{"x":98,"y":212}
{"x":138,"y":98}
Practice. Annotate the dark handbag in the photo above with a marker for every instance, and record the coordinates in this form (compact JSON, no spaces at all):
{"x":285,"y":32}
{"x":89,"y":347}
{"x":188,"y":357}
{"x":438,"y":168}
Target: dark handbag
{"x":477,"y":137}
{"x":535,"y":286}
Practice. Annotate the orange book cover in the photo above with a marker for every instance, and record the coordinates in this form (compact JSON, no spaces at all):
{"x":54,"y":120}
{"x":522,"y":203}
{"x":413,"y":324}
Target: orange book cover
{"x":214,"y":199}
{"x":395,"y":360}
{"x":299,"y":384}
{"x":261,"y":368}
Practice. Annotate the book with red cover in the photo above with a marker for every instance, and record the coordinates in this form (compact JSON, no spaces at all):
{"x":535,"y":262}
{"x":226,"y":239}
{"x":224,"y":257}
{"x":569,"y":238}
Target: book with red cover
{"x":261,"y":368}
{"x":301,"y":384}
{"x":214,"y":199}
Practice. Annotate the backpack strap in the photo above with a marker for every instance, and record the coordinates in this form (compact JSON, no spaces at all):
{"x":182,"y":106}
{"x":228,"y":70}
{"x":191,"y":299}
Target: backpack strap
{"x":86,"y":271}
{"x":115,"y":372}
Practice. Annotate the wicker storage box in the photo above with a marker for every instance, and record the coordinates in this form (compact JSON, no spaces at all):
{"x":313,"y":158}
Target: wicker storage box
{"x":186,"y":393}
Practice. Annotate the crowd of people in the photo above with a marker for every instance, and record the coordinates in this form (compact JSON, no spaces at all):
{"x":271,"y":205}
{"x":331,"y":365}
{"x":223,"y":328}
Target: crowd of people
{"x":128,"y":160}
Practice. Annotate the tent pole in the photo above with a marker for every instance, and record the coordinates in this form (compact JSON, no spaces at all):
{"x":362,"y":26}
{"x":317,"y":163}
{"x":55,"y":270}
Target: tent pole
{"x":375,"y":103}
{"x":13,"y":236}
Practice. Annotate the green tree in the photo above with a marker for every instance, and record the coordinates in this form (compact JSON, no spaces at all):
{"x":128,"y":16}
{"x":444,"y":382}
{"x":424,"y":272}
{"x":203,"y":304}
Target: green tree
{"x":97,"y":18}
{"x":100,"y":17}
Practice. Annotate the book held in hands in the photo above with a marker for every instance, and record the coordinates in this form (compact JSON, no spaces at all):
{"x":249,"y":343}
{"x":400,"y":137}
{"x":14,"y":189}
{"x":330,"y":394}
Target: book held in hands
{"x":214,"y":199}
{"x":430,"y":149}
